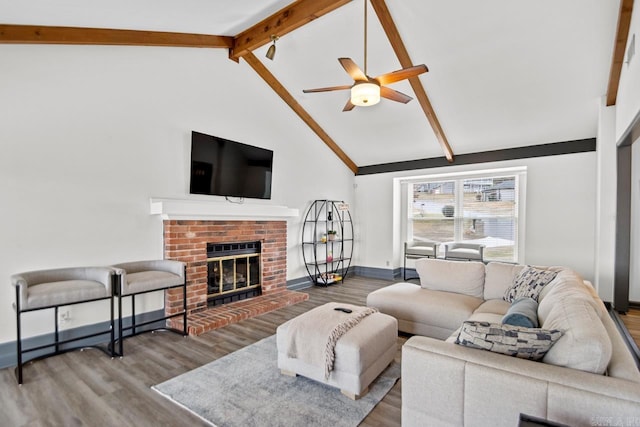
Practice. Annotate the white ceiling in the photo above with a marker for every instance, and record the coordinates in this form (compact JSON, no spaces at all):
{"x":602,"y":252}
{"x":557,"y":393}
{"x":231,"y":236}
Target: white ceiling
{"x":502,"y":73}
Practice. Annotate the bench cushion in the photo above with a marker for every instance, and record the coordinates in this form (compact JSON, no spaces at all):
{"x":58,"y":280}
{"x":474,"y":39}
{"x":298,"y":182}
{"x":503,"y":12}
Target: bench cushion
{"x":63,"y":292}
{"x":149,"y":281}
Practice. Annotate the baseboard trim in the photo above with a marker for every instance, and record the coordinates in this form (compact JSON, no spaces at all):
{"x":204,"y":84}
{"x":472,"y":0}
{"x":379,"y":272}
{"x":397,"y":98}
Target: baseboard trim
{"x":8,"y":349}
{"x":299,"y":284}
{"x":376,"y":273}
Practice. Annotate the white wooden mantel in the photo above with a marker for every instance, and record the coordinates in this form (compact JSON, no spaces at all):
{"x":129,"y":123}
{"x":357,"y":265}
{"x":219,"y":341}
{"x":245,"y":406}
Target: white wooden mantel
{"x":204,"y":210}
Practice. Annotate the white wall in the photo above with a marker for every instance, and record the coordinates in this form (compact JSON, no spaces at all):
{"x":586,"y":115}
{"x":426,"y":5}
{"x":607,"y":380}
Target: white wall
{"x":90,"y":133}
{"x":560,"y":213}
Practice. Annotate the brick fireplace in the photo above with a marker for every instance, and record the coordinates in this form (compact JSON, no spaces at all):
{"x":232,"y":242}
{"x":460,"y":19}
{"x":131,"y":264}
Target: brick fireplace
{"x":187,"y":239}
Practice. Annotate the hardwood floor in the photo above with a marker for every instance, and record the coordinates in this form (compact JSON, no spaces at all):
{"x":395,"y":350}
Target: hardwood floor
{"x":632,"y":322}
{"x":87,"y":388}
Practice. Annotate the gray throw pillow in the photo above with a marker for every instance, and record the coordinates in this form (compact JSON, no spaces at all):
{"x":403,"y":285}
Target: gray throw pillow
{"x":528,"y":283}
{"x":523,"y":312}
{"x":525,"y":343}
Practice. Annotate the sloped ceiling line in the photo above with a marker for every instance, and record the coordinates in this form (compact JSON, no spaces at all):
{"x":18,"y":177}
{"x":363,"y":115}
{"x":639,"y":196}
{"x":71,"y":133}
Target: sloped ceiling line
{"x":289,"y":19}
{"x":278,"y":88}
{"x":280,"y":23}
{"x":286,"y":20}
{"x":399,"y":48}
{"x":622,"y":34}
{"x":39,"y":34}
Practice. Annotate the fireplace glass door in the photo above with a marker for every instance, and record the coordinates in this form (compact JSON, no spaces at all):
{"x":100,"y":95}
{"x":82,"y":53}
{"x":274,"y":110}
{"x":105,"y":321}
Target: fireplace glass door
{"x":232,"y":273}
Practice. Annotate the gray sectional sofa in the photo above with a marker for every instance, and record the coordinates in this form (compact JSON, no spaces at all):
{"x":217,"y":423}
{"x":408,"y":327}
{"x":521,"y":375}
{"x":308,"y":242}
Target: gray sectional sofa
{"x":588,"y":377}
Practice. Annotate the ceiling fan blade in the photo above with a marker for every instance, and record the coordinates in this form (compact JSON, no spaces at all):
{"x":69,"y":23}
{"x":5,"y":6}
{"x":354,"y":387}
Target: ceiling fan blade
{"x":354,"y":71}
{"x":394,"y":95}
{"x":348,"y":106}
{"x":405,"y":73}
{"x":327,"y":89}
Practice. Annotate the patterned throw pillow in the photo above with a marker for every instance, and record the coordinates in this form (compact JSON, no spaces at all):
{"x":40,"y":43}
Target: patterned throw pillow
{"x":528,"y":283}
{"x":525,"y":343}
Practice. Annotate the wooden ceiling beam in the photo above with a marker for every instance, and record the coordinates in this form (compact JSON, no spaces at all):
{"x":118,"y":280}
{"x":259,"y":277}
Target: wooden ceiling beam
{"x":280,"y":23}
{"x":39,"y":34}
{"x":622,"y":34}
{"x":399,"y":48}
{"x":278,"y":88}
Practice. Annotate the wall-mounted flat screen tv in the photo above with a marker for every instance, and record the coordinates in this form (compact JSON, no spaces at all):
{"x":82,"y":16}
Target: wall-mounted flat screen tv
{"x":220,"y":167}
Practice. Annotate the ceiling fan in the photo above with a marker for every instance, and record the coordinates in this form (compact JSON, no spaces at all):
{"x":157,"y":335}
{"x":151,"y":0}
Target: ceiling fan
{"x":366,"y":91}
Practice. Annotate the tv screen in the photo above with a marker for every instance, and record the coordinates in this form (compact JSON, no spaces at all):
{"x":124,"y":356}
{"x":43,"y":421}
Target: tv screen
{"x":220,"y":167}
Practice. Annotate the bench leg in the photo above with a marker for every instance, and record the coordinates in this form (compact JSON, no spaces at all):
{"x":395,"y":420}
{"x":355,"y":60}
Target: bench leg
{"x":120,"y":337}
{"x":133,"y":314}
{"x":19,"y":338}
{"x":184,"y":305}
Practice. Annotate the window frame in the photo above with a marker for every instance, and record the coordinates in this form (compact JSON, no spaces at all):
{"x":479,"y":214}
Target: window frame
{"x":406,"y":232}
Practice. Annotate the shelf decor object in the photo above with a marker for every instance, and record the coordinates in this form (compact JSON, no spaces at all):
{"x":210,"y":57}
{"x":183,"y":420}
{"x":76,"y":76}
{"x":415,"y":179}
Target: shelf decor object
{"x":327,"y":241}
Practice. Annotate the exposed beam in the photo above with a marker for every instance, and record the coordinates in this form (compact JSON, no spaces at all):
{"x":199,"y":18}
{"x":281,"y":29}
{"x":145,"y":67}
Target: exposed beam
{"x":39,"y":34}
{"x":271,"y":80}
{"x":280,"y":23}
{"x":622,"y":34}
{"x":399,"y":48}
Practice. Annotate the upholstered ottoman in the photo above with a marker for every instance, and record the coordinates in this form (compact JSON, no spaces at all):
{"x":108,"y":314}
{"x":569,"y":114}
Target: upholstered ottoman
{"x":360,"y":354}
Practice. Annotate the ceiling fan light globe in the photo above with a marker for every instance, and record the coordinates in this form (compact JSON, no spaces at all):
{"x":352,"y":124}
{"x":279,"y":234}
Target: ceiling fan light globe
{"x":365,"y":94}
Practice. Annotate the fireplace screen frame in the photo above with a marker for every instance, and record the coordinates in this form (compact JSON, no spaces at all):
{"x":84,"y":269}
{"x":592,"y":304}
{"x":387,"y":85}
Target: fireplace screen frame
{"x":221,"y":268}
{"x":234,"y":271}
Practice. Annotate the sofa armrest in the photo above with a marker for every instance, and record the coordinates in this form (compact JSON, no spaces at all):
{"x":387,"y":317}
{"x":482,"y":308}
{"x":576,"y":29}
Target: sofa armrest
{"x":448,"y":384}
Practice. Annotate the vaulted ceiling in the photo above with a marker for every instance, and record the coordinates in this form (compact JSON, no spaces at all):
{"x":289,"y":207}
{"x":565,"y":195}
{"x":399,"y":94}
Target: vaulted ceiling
{"x":502,"y":74}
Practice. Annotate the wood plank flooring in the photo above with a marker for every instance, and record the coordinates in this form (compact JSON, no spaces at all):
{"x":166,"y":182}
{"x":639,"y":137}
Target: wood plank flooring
{"x":632,"y":321}
{"x":87,"y":388}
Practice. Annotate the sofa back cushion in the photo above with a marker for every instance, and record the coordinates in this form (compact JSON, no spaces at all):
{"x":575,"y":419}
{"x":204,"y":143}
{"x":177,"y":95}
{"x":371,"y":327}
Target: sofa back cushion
{"x":462,"y":277}
{"x":499,"y":277}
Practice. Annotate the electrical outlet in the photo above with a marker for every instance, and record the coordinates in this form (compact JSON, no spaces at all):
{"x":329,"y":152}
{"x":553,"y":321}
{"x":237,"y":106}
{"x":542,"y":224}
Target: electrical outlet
{"x":388,"y":263}
{"x":64,"y":316}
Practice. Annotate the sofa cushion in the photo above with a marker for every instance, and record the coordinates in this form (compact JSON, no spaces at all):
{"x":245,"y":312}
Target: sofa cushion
{"x":496,"y":306}
{"x":499,"y":277}
{"x":485,"y":317}
{"x":585,"y":345}
{"x":524,"y":343}
{"x":523,"y":312}
{"x":461,"y":277}
{"x":529,"y":283}
{"x":421,"y":311}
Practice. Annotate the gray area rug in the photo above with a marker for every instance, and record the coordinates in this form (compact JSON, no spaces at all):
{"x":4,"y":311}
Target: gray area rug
{"x":245,"y":388}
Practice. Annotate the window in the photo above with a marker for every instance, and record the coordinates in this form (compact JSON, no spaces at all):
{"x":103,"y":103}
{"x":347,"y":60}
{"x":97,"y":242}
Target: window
{"x":475,"y":207}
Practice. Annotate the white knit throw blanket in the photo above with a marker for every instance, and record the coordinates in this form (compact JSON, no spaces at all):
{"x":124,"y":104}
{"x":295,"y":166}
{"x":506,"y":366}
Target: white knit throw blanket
{"x":312,"y":337}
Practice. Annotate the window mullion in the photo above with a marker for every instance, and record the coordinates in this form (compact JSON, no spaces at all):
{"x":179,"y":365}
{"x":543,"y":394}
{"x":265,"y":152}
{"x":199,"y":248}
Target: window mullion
{"x":459,"y":214}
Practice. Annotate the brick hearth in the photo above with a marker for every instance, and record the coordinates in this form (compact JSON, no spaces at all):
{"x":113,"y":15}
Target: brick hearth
{"x":186,"y":240}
